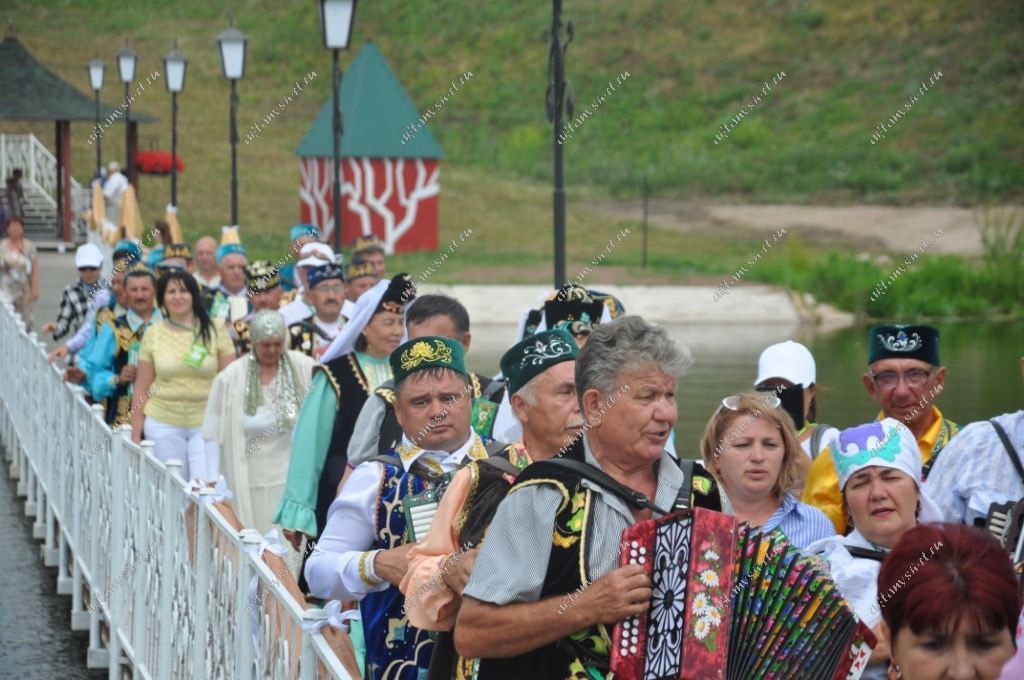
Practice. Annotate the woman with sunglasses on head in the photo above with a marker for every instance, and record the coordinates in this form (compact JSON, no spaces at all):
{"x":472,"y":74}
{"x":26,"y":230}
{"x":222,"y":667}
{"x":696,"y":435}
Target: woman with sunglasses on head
{"x":953,"y":614}
{"x":178,"y":361}
{"x":750,"y":447}
{"x":879,"y":466}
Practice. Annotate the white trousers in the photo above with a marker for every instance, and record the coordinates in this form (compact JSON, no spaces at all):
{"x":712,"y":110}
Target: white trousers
{"x":187,"y":445}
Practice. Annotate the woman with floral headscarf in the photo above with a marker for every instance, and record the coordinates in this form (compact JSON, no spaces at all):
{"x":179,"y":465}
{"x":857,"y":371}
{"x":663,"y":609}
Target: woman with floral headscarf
{"x":250,"y":415}
{"x":879,"y":466}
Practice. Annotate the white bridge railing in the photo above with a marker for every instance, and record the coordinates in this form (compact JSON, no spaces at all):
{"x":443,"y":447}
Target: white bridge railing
{"x":161,"y":580}
{"x":27,"y":153}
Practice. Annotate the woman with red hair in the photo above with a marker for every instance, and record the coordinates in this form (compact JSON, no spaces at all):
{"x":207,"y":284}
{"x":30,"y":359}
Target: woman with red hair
{"x":951,"y":612}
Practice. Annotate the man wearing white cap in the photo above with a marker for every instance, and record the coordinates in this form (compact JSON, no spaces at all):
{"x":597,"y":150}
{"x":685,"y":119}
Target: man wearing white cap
{"x":788,"y":368}
{"x":313,"y":254}
{"x":74,"y":299}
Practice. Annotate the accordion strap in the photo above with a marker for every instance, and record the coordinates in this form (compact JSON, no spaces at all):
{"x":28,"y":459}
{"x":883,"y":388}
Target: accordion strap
{"x":1012,"y":452}
{"x":592,"y":474}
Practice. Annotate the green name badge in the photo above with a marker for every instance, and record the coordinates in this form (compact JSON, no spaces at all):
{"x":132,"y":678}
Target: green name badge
{"x":195,"y":356}
{"x":219,"y":309}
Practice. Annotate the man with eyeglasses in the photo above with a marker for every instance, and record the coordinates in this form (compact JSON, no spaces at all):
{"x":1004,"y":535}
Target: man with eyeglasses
{"x":904,"y":377}
{"x":327,"y":293}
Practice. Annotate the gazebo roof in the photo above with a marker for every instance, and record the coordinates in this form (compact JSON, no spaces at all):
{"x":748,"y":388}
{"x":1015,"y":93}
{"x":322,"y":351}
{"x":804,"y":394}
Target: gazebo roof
{"x":376,"y":113}
{"x":33,"y":92}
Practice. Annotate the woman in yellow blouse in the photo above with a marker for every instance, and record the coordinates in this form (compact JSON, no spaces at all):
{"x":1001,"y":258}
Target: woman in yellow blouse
{"x":178,"y":360}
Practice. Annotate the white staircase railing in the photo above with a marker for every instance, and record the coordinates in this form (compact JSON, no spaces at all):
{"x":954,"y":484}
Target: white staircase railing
{"x":166,"y":574}
{"x":36,"y":162}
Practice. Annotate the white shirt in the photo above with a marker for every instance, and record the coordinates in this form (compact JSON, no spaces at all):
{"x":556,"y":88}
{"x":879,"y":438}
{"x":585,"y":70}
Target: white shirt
{"x":332,"y":571}
{"x":212,"y":282}
{"x":114,"y":187}
{"x":296,"y":310}
{"x":973,"y":470}
{"x":331,"y":328}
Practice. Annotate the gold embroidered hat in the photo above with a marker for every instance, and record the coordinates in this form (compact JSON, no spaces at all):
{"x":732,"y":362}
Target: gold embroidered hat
{"x":182,"y":250}
{"x":429,"y":351}
{"x":262,"y":276}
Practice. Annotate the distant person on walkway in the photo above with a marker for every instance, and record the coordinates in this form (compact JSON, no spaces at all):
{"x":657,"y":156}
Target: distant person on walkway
{"x":250,"y":415}
{"x":299,"y":301}
{"x":905,"y":378}
{"x":113,"y":190}
{"x":178,"y":360}
{"x":19,"y":270}
{"x":106,"y":304}
{"x":14,"y":197}
{"x":206,"y":271}
{"x":111,"y":362}
{"x":360,"y":276}
{"x":76,"y":297}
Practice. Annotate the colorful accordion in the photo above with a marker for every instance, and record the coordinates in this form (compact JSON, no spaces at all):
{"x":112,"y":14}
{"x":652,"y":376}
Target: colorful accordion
{"x":729,"y":601}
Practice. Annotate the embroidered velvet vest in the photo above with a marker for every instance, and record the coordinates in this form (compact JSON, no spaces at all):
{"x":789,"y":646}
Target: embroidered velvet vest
{"x":569,"y":657}
{"x":395,"y":650}
{"x":351,"y":390}
{"x":119,"y":403}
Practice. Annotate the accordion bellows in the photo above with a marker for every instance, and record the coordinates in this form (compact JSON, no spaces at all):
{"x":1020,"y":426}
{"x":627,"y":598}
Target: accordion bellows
{"x":731,"y":602}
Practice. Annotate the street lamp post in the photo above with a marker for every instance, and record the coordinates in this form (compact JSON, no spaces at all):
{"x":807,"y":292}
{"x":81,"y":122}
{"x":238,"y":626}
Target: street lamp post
{"x":126,"y":60}
{"x":232,"y":44}
{"x":336,"y":20}
{"x":559,"y":99}
{"x":175,"y":64}
{"x":96,"y":68}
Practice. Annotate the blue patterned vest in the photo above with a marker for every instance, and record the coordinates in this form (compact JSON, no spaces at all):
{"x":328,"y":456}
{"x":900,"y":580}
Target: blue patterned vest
{"x":394,"y":649}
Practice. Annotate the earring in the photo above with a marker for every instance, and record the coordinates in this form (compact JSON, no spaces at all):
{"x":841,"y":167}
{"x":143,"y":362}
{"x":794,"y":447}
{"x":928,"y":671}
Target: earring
{"x":894,"y":670}
{"x":917,"y":513}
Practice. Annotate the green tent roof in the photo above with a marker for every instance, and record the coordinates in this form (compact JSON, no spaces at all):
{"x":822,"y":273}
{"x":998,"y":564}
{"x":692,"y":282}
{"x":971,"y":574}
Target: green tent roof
{"x":33,"y":92}
{"x":376,"y":114}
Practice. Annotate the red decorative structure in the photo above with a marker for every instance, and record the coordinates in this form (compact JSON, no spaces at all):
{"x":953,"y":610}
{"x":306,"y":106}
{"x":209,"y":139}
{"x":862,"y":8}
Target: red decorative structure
{"x":390,"y":163}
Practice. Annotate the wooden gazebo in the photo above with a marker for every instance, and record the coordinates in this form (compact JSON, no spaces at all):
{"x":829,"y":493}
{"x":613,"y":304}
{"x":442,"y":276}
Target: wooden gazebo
{"x":34,"y":93}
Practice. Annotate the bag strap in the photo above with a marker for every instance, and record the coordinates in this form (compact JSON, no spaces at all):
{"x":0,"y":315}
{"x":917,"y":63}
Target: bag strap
{"x":592,"y":474}
{"x":685,"y":491}
{"x":819,"y":433}
{"x":1012,"y":452}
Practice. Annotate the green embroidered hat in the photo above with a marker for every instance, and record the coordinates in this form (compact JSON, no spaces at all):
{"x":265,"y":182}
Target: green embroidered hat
{"x":429,"y":351}
{"x":904,"y":342}
{"x":530,"y":357}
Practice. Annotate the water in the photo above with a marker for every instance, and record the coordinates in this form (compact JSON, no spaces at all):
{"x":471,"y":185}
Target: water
{"x":35,"y":623}
{"x":982,"y":360}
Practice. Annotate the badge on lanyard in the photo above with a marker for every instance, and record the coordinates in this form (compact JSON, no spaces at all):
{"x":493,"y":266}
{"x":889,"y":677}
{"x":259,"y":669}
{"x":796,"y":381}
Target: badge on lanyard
{"x":195,"y":356}
{"x":219,"y":310}
{"x":133,"y":360}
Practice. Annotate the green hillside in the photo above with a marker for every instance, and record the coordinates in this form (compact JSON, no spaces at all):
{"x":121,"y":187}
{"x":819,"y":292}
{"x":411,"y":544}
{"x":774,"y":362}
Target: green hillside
{"x":692,"y":66}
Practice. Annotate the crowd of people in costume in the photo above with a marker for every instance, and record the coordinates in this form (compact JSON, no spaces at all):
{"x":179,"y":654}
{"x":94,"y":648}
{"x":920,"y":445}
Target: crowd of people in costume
{"x":471,"y":525}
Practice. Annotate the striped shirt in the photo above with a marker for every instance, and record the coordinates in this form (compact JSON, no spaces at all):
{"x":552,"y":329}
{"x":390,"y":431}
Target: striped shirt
{"x":513,"y":560}
{"x":801,"y":523}
{"x":974,"y":470}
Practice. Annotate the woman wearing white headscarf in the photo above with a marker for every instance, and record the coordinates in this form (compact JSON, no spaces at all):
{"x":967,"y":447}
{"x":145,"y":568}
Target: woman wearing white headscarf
{"x":879,"y":466}
{"x":250,"y":415}
{"x":354,"y":365}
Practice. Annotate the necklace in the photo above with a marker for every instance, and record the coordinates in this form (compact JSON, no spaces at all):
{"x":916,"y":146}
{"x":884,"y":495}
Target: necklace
{"x":181,"y":325}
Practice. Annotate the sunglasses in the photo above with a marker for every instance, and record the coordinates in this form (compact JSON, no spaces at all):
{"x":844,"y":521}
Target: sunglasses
{"x":88,"y":269}
{"x":769,"y":399}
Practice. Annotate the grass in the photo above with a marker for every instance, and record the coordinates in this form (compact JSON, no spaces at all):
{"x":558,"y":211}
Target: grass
{"x":692,"y":66}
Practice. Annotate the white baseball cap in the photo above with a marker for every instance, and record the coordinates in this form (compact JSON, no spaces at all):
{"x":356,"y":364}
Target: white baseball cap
{"x":88,"y":255}
{"x":788,"y":360}
{"x":315,"y":255}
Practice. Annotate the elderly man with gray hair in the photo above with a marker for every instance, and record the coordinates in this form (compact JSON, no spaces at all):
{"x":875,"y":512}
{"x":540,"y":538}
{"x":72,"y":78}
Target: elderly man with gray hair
{"x":546,"y":589}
